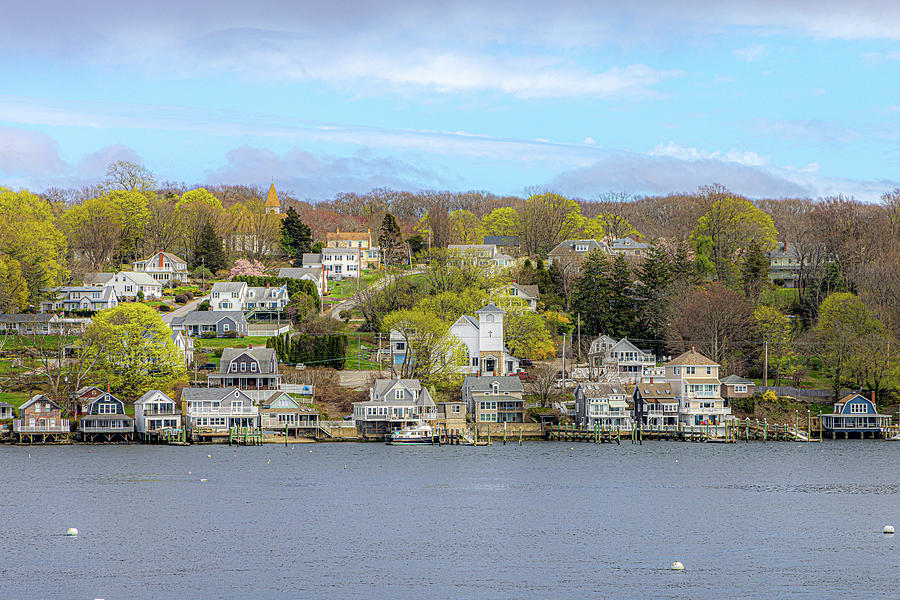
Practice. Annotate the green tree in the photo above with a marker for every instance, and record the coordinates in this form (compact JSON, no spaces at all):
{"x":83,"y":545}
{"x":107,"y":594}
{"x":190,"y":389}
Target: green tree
{"x":774,"y":329}
{"x":594,"y":295}
{"x":390,"y":240}
{"x":296,"y":236}
{"x":95,"y":230}
{"x":209,"y":252}
{"x":433,"y":354}
{"x":135,"y":210}
{"x":134,"y":350}
{"x":754,"y":270}
{"x":196,"y":209}
{"x":548,"y":219}
{"x":502,"y":221}
{"x":13,"y":287}
{"x":525,"y":333}
{"x":128,"y":176}
{"x":655,"y":275}
{"x":732,"y":225}
{"x":466,"y":228}
{"x":28,"y":235}
{"x":450,"y":306}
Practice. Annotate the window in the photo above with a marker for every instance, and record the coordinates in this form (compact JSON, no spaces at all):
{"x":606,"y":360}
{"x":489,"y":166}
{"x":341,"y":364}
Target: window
{"x":236,"y":405}
{"x":740,"y":389}
{"x":400,"y":345}
{"x":226,"y":326}
{"x":253,"y":367}
{"x":215,"y":294}
{"x":455,"y":409}
{"x":232,"y":368}
{"x":690,"y":370}
{"x":398,"y":394}
{"x":243,"y":367}
{"x":709,"y":370}
{"x":858,"y":407}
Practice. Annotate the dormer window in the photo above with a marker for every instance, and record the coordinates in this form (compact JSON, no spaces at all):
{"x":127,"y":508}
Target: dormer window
{"x":253,"y":367}
{"x":398,"y":394}
{"x":243,"y":367}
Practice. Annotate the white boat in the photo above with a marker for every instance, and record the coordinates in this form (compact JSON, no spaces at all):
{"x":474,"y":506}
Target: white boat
{"x":420,"y":433}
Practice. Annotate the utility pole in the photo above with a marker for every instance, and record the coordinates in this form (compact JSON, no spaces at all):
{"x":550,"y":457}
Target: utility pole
{"x":358,"y":349}
{"x":579,"y":337}
{"x":564,"y":363}
{"x":766,"y":363}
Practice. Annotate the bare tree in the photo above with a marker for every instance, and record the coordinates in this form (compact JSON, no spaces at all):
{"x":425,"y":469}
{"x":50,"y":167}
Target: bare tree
{"x":61,"y":362}
{"x":543,"y":384}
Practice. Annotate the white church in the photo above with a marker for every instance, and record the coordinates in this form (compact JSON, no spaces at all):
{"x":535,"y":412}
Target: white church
{"x":483,"y":338}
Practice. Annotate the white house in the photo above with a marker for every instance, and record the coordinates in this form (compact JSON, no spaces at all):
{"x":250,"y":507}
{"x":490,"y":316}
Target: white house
{"x":483,"y":338}
{"x":185,"y":345}
{"x":620,"y":361}
{"x":80,"y":298}
{"x":127,"y":284}
{"x":217,"y":410}
{"x":212,"y":323}
{"x":316,"y":275}
{"x":347,"y":262}
{"x":487,"y":256}
{"x":163,"y":267}
{"x":695,"y":384}
{"x":394,"y":404}
{"x":527,"y":293}
{"x":155,"y":411}
{"x":237,"y":295}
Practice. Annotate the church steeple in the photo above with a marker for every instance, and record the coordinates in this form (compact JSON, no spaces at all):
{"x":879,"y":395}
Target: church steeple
{"x":272,"y":203}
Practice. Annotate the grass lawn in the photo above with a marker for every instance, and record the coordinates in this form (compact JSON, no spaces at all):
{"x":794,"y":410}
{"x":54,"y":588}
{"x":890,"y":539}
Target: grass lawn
{"x":365,"y":364}
{"x":16,"y":342}
{"x":347,"y":287}
{"x":256,"y":340}
{"x":14,"y":398}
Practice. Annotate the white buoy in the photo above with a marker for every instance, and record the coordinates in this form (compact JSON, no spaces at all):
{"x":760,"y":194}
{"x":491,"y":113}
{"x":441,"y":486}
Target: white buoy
{"x":71,"y":532}
{"x":677,"y":566}
{"x":888,"y":529}
{"x":202,"y":480}
{"x":209,"y":456}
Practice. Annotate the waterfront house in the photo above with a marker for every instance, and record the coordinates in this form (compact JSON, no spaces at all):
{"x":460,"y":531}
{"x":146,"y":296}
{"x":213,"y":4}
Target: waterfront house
{"x":282,"y":413}
{"x":216,"y":410}
{"x":654,"y":403}
{"x":854,"y":416}
{"x":70,"y":298}
{"x":128,"y":284}
{"x":247,"y":369}
{"x":602,"y":404}
{"x":494,"y":399}
{"x":737,"y":387}
{"x":40,"y":420}
{"x":83,"y":396}
{"x":452,"y":415}
{"x":6,"y":411}
{"x":163,"y":267}
{"x":620,"y":361}
{"x":695,"y":384}
{"x":394,"y":404}
{"x":155,"y":412}
{"x":206,"y":323}
{"x":105,"y":421}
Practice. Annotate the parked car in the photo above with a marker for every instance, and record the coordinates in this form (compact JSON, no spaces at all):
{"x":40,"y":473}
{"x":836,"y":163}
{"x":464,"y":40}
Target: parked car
{"x":208,"y":367}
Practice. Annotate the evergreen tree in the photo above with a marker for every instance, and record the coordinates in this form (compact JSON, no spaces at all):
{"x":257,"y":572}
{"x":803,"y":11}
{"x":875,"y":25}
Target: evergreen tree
{"x":296,"y":236}
{"x":754,"y":270}
{"x":655,"y":275}
{"x":390,"y":240}
{"x":593,"y":294}
{"x":623,"y":313}
{"x":209,"y":252}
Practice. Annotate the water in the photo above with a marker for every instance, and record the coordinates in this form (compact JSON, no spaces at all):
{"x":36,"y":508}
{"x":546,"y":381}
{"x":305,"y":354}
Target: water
{"x":536,"y":521}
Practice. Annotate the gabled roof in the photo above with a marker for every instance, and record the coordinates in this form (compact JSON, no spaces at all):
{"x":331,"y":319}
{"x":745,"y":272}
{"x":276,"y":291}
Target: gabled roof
{"x":485,"y":383}
{"x":212,"y":317}
{"x":228,"y":286}
{"x":346,"y":235}
{"x":467,"y":319}
{"x":601,"y":389}
{"x":300,"y":272}
{"x":691,"y":358}
{"x":28,"y":318}
{"x":784,"y":250}
{"x":82,"y":391}
{"x":151,"y":395}
{"x":627,"y":242}
{"x":37,"y":397}
{"x":5,"y":405}
{"x":272,"y":197}
{"x":655,"y":391}
{"x":264,"y":356}
{"x":501,"y":240}
{"x":617,"y":347}
{"x":569,"y":246}
{"x":312,"y":258}
{"x":212,"y":394}
{"x":735,"y":380}
{"x":138,"y":277}
{"x":531,"y":290}
{"x":172,"y":257}
{"x":383,"y":386}
{"x":97,"y":279}
{"x":490,"y":307}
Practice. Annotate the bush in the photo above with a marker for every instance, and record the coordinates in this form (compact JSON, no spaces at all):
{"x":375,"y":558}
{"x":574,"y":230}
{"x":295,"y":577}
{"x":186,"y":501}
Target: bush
{"x":208,"y":335}
{"x":189,"y":294}
{"x":140,"y":296}
{"x":345,"y":316}
{"x":230,"y":334}
{"x":204,"y":305}
{"x":165,"y":308}
{"x":181,"y":299}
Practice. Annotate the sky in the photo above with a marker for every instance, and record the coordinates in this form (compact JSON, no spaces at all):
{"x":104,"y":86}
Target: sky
{"x":771,"y":98}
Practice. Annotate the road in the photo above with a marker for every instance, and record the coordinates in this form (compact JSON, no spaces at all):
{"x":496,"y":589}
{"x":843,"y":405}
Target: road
{"x":180,"y":312}
{"x":350,"y":303}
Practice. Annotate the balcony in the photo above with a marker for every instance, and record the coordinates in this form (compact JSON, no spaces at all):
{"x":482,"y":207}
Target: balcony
{"x":129,"y":428}
{"x":165,"y":412}
{"x":62,"y":426}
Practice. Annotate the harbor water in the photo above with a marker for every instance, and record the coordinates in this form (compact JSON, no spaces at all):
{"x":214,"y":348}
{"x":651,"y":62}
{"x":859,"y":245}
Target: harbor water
{"x":540,"y":520}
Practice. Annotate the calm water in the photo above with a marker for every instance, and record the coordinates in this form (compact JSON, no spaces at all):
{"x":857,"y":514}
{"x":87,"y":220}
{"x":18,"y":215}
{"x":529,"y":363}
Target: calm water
{"x":536,"y":521}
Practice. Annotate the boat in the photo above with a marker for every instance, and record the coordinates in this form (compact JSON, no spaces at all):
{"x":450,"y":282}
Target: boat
{"x":418,"y":434}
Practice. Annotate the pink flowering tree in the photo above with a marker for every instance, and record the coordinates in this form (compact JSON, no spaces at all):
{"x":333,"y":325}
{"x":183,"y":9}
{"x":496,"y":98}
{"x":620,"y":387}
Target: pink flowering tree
{"x":246,"y":267}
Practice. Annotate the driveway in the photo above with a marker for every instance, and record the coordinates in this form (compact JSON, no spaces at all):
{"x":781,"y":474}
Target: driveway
{"x":350,"y":303}
{"x":180,"y":312}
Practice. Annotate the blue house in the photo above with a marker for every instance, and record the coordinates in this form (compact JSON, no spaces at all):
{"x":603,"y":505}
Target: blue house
{"x":854,"y":416}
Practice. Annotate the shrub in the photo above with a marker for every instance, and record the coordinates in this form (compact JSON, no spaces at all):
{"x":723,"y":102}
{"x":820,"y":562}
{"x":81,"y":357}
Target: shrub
{"x":181,"y":299}
{"x":345,"y":316}
{"x":204,"y":305}
{"x":208,"y":335}
{"x":230,"y":334}
{"x":140,"y":296}
{"x":164,"y":308}
{"x":189,"y":294}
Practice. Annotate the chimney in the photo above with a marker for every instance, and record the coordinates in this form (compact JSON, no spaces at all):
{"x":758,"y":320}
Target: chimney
{"x":873,"y":396}
{"x":251,"y":347}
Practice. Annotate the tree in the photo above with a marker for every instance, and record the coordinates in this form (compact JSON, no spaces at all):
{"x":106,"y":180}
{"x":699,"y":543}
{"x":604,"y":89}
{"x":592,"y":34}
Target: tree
{"x":296,"y":236}
{"x":525,"y":332}
{"x":196,"y":210}
{"x":129,"y":177}
{"x":543,"y":385}
{"x":390,"y":240}
{"x":714,"y":320}
{"x":502,"y":221}
{"x":774,"y":329}
{"x":546,"y":220}
{"x":416,"y":244}
{"x":253,"y":230}
{"x":244,"y":267}
{"x":433,"y":354}
{"x":28,"y":235}
{"x":465,"y":228}
{"x":300,"y":307}
{"x":754,"y":271}
{"x":594,"y":293}
{"x":134,"y":350}
{"x":62,"y":363}
{"x":208,"y":251}
{"x":135,"y":212}
{"x":450,"y":306}
{"x":95,"y":230}
{"x":163,"y":227}
{"x":13,"y":287}
{"x":655,"y":277}
{"x":731,"y":225}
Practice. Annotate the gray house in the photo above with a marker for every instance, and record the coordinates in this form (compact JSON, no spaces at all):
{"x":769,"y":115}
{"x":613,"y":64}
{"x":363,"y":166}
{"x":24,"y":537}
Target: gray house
{"x":106,"y":421}
{"x":247,"y":369}
{"x":6,"y":411}
{"x":198,"y":322}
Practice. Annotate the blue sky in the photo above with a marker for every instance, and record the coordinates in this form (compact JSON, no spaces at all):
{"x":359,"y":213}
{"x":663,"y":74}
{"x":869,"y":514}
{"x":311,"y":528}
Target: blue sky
{"x":770,"y":98}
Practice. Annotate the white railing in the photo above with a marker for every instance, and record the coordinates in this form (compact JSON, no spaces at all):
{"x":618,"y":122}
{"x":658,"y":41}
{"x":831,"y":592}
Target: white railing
{"x":62,"y":426}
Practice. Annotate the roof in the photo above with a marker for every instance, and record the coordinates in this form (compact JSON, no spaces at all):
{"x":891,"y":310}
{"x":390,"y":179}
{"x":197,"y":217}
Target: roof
{"x":27,"y":318}
{"x":300,"y":272}
{"x":735,"y":380}
{"x":346,"y":235}
{"x":211,"y":317}
{"x":139,"y":278}
{"x":382,"y":386}
{"x":694,"y":380}
{"x":531,"y":290}
{"x":228,"y":286}
{"x":627,"y":242}
{"x":569,"y":245}
{"x":151,"y":395}
{"x":264,"y":356}
{"x":490,"y":307}
{"x":97,"y":278}
{"x":209,"y":394}
{"x":169,"y":255}
{"x":601,"y":389}
{"x":691,"y":358}
{"x":272,"y":197}
{"x":83,"y":291}
{"x":502,"y":240}
{"x":655,"y":390}
{"x":5,"y":405}
{"x":312,"y":258}
{"x":37,"y":397}
{"x":485,"y":383}
{"x":784,"y":250}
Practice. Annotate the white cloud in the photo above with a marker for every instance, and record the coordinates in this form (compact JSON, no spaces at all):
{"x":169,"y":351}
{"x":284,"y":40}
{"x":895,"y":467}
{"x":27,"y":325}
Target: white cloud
{"x":741,"y":157}
{"x":24,"y":153}
{"x":751,"y":53}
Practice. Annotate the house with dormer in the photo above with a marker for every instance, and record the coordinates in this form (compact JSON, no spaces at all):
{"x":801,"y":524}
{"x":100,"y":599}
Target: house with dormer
{"x":854,"y":416}
{"x":155,"y":412}
{"x":237,"y":295}
{"x":653,"y":403}
{"x":163,"y":267}
{"x":40,"y":420}
{"x":70,"y":298}
{"x":494,"y":399}
{"x":207,"y":323}
{"x":105,"y":421}
{"x":284,"y":414}
{"x":528,"y":294}
{"x":394,"y":404}
{"x":130,"y":285}
{"x":216,"y":410}
{"x":247,"y":369}
{"x":629,"y":247}
{"x":620,"y":361}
